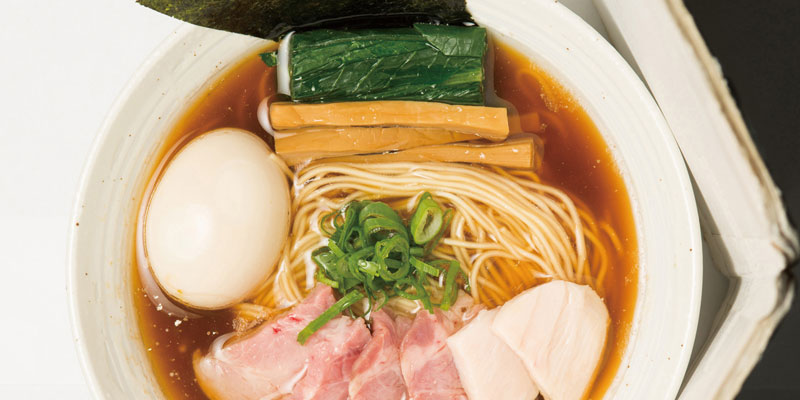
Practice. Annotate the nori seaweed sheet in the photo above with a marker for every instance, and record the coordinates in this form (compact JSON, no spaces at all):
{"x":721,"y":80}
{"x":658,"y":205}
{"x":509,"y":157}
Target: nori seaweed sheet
{"x":270,"y":19}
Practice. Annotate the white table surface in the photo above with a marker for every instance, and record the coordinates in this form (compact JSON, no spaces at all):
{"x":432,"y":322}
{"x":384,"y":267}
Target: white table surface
{"x":62,"y":65}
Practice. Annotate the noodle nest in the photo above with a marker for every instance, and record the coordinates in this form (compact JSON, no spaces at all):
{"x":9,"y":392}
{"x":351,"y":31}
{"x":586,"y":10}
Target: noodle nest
{"x":509,"y":231}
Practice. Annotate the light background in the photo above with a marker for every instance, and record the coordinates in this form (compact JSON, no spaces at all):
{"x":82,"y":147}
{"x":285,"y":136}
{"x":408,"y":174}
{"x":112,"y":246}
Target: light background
{"x":62,"y":65}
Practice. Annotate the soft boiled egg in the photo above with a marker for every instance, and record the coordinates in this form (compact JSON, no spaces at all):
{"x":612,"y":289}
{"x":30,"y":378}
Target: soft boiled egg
{"x":217,"y":220}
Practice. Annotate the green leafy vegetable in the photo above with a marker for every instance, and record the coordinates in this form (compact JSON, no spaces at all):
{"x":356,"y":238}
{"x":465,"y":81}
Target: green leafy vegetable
{"x":271,"y":59}
{"x":372,"y":253}
{"x":270,"y":19}
{"x":452,"y":41}
{"x":426,"y":63}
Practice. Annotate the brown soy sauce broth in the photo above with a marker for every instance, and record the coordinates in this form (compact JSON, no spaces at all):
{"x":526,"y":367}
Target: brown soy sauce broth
{"x":576,"y":159}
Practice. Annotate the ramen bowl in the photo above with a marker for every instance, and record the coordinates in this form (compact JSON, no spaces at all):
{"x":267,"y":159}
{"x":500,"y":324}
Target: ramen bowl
{"x":133,"y":139}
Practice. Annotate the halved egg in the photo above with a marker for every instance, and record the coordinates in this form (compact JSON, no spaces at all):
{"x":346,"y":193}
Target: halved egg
{"x":217,"y":220}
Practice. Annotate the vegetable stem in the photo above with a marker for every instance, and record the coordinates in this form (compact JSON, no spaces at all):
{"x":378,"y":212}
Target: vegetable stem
{"x":337,"y":308}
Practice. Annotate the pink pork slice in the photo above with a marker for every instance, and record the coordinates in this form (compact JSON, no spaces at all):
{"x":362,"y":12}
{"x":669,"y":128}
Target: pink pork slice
{"x":269,"y":363}
{"x":336,"y":347}
{"x":402,"y":324}
{"x":427,"y":363}
{"x":376,"y":373}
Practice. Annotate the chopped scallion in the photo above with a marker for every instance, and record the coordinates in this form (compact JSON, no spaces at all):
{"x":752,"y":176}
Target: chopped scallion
{"x":373,"y":253}
{"x":427,"y":220}
{"x":423,"y":267}
{"x":337,"y":308}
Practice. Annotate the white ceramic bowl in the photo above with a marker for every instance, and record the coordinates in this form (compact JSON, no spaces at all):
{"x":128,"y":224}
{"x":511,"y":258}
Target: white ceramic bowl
{"x":133,"y":138}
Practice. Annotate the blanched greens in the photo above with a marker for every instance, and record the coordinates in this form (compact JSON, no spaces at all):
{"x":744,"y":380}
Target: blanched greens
{"x":372,"y":253}
{"x":270,"y":19}
{"x":439,"y":63}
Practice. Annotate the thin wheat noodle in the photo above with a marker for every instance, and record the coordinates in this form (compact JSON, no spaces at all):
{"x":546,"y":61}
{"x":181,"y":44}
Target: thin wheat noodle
{"x":508,"y":232}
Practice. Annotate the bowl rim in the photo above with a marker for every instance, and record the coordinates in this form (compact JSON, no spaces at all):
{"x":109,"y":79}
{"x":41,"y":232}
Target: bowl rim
{"x":104,"y":132}
{"x":609,"y":56}
{"x":565,"y":27}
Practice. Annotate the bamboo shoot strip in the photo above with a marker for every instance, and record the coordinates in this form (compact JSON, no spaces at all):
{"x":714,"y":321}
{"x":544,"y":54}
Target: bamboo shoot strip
{"x":309,"y":144}
{"x":518,"y":153}
{"x":488,"y":122}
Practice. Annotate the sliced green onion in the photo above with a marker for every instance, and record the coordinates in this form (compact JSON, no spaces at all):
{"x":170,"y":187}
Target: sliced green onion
{"x":354,"y":259}
{"x":350,"y":212}
{"x":400,"y":289}
{"x":335,"y":249}
{"x":384,"y":249}
{"x":446,"y":219}
{"x":467,"y":286}
{"x":385,"y":299}
{"x":324,"y":221}
{"x":369,"y":267}
{"x":355,"y":270}
{"x":349,"y":283}
{"x":378,"y":209}
{"x":450,"y":291}
{"x":426,"y":223}
{"x":425,"y":298}
{"x":320,"y":276}
{"x":372,"y":253}
{"x":383,"y":225}
{"x":324,"y":258}
{"x":337,"y":308}
{"x":423,"y":267}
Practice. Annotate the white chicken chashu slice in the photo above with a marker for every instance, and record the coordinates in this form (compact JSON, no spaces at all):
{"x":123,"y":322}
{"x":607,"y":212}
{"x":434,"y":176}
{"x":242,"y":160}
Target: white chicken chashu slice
{"x":558,"y":330}
{"x":488,"y":368}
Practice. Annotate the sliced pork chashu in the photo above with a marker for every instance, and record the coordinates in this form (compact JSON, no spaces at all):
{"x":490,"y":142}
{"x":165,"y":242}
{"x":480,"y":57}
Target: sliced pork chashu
{"x":269,"y":363}
{"x":558,"y":330}
{"x":488,"y":368}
